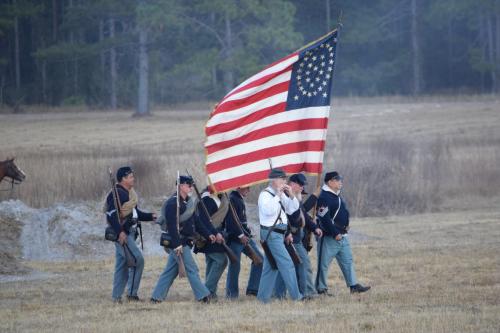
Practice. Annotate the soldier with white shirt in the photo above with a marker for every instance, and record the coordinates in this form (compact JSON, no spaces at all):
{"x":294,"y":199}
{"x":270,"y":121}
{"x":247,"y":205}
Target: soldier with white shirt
{"x":274,"y":205}
{"x":333,"y":218}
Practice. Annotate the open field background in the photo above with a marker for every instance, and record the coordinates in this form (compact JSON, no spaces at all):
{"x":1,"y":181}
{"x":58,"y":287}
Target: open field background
{"x":422,"y":178}
{"x":398,"y":155}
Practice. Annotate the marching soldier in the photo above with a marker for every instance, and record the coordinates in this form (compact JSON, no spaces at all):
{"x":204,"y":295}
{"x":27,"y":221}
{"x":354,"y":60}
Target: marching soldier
{"x":274,"y":205}
{"x":239,"y":240}
{"x":180,"y":243}
{"x":215,"y":256}
{"x":127,"y":234}
{"x":299,"y":222}
{"x":334,"y":221}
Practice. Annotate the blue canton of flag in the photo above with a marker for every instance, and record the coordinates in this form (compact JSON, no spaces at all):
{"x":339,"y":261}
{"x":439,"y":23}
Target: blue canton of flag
{"x":311,"y":81}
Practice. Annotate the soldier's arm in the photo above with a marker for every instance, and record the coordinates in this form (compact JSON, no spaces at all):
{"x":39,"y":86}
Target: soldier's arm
{"x":310,"y":225}
{"x":200,"y":226}
{"x":204,"y":219}
{"x":291,"y":205}
{"x":294,"y":219}
{"x":310,"y":202}
{"x":143,"y":216}
{"x":111,"y":214}
{"x":231,"y":226}
{"x":171,"y":217}
{"x":325,"y":214}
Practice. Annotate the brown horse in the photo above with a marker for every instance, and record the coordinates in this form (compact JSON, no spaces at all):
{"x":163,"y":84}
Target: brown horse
{"x":10,"y":170}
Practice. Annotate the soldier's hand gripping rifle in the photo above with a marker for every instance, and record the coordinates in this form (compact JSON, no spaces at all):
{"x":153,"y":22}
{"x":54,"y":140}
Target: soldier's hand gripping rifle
{"x":139,"y":227}
{"x":230,"y":254}
{"x":180,"y":260}
{"x":128,"y":255}
{"x":256,"y":260}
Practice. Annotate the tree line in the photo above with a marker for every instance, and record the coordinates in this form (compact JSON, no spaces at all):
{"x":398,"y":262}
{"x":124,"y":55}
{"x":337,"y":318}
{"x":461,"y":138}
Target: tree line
{"x":131,"y":53}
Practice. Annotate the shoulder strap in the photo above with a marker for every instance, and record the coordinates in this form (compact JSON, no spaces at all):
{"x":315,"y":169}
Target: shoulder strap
{"x":277,"y":218}
{"x":334,"y":216}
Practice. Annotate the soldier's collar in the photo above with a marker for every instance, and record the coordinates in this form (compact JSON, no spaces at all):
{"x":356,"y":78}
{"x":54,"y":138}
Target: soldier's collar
{"x":327,"y":188}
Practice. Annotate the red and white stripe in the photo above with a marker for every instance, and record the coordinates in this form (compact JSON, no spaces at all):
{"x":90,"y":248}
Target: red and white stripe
{"x":250,"y":126}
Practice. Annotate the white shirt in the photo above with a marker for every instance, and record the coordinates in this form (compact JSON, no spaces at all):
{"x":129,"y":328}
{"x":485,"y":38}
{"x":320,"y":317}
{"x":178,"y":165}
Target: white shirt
{"x":269,"y":207}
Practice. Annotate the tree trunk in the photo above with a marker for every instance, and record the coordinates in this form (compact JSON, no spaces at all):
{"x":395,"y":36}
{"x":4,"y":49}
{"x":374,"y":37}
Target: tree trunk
{"x":497,"y":63}
{"x":75,"y":60}
{"x":101,"y":38}
{"x":214,"y":78}
{"x":2,"y":85}
{"x":17,"y":59}
{"x":214,"y":65}
{"x":328,"y":18}
{"x":102,"y":54}
{"x":142,"y":104}
{"x":112,"y":66}
{"x":491,"y":54}
{"x":44,"y":81}
{"x":54,"y":20}
{"x":482,"y":44}
{"x":228,"y":73}
{"x":415,"y":46}
{"x":450,"y":52}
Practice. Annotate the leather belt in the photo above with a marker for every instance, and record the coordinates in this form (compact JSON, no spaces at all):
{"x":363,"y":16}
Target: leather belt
{"x":279,"y":231}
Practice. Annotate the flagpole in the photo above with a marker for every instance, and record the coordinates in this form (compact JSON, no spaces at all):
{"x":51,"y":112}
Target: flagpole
{"x":316,"y":40}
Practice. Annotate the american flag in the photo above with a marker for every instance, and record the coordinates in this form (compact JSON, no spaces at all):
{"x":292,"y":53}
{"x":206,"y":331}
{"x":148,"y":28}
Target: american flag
{"x":280,"y":113}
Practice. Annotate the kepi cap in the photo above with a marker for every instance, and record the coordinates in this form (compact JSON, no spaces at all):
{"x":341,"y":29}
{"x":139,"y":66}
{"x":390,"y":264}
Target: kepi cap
{"x":298,"y":178}
{"x":332,"y":175}
{"x":123,"y":172}
{"x":277,"y":173}
{"x":186,"y":180}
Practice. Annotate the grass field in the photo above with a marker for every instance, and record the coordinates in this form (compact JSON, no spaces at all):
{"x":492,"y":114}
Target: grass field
{"x":430,"y":273}
{"x":398,"y":156}
{"x":422,"y":178}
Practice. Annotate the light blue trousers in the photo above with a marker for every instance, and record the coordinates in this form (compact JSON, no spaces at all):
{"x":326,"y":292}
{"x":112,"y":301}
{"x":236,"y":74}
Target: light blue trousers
{"x":340,"y":250}
{"x":216,"y":262}
{"x":122,"y":273}
{"x":233,"y":272}
{"x":171,"y":271}
{"x":304,"y":275}
{"x":285,"y":268}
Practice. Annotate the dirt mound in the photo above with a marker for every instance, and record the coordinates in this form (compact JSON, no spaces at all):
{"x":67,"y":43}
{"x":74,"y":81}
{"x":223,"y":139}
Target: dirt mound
{"x":68,"y":231}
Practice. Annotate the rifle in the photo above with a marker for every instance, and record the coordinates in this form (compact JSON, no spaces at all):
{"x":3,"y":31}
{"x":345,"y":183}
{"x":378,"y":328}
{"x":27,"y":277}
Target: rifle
{"x":128,"y":255}
{"x":256,"y":260}
{"x":180,"y":260}
{"x":230,"y":254}
{"x":307,"y":241}
{"x":293,"y":253}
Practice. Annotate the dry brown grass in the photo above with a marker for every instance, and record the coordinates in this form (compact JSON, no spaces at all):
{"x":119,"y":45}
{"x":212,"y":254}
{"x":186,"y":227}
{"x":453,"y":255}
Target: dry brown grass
{"x":399,"y":155}
{"x":430,"y":273}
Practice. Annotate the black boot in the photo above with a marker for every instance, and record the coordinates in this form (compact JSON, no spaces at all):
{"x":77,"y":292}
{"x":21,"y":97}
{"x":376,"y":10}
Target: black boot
{"x":251,"y":293}
{"x":357,"y":288}
{"x":206,"y":300}
{"x":325,"y":293}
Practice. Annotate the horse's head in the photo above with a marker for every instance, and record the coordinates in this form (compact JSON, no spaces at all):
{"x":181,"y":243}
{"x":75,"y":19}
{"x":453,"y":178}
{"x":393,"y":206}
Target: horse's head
{"x":12,"y":171}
